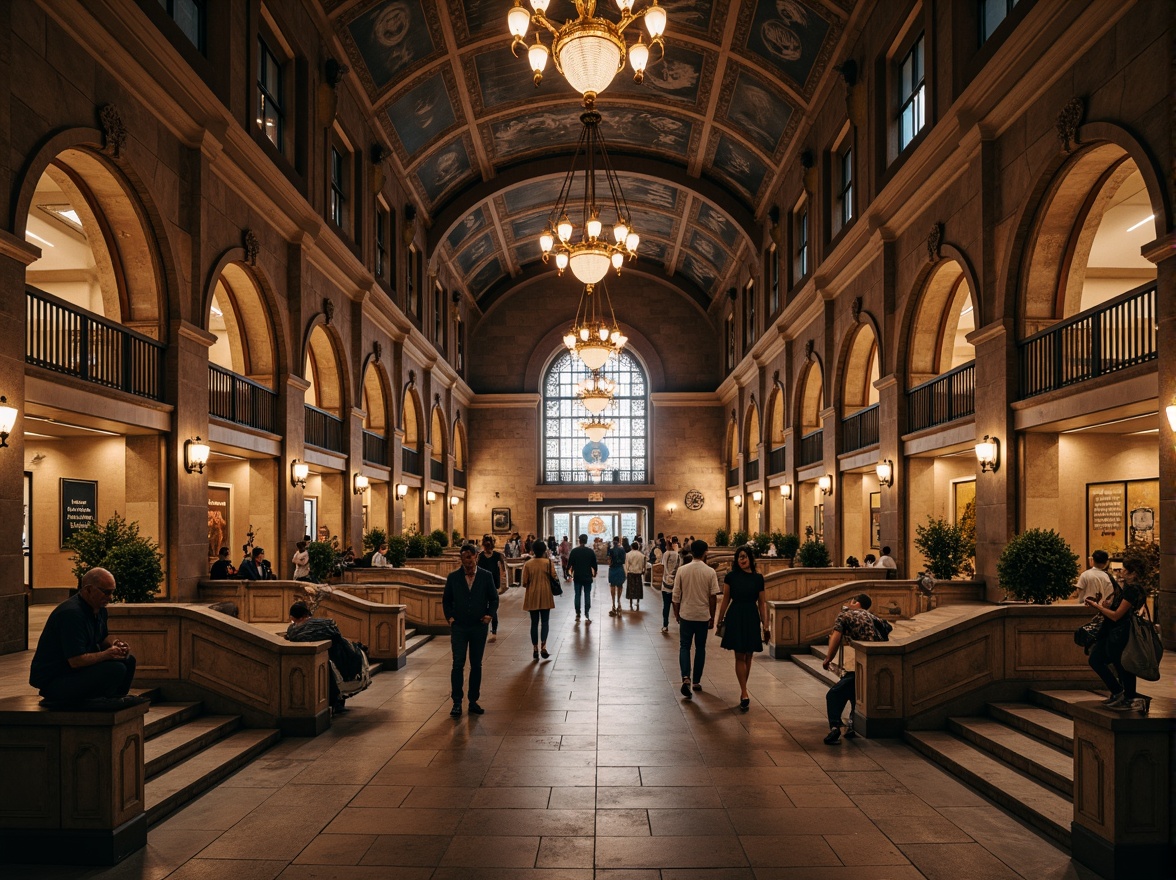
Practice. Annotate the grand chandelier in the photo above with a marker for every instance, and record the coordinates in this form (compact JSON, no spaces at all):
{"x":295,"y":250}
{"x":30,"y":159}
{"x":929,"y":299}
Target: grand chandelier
{"x":592,"y":254}
{"x":595,"y":393}
{"x":596,"y":428}
{"x":593,"y":338}
{"x":590,"y":50}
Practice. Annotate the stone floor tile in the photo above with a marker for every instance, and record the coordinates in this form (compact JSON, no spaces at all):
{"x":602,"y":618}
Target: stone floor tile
{"x":572,"y":798}
{"x":681,"y":822}
{"x":669,"y":852}
{"x":493,"y":873}
{"x":957,"y":861}
{"x":515,"y":798}
{"x":817,"y":796}
{"x":541,"y":823}
{"x":218,"y":869}
{"x":343,"y":872}
{"x":889,"y":805}
{"x":856,"y":872}
{"x":708,"y":874}
{"x":444,"y":796}
{"x":566,"y":852}
{"x":759,"y":796}
{"x":652,"y":798}
{"x":424,"y":850}
{"x":1031,"y":855}
{"x":336,"y":849}
{"x":543,"y":758}
{"x":792,"y":850}
{"x":798,"y":820}
{"x":622,"y":823}
{"x":924,"y":829}
{"x":380,"y":820}
{"x":218,"y":809}
{"x":496,"y":851}
{"x":618,"y":776}
{"x":675,"y":776}
{"x":381,"y":796}
{"x":865,"y":848}
{"x":540,"y":776}
{"x":867,"y":782}
{"x":627,"y":874}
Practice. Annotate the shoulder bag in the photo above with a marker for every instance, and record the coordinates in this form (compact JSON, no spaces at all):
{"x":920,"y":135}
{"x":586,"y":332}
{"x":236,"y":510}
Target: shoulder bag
{"x":1142,"y":653}
{"x":556,"y":586}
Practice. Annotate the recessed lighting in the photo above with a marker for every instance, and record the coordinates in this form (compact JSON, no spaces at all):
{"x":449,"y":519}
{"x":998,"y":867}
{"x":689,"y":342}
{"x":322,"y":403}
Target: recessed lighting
{"x":1148,"y":219}
{"x":36,"y":237}
{"x":216,"y":313}
{"x":966,"y":311}
{"x":71,"y":425}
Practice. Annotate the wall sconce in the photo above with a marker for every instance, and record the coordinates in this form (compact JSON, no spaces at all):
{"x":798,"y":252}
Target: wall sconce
{"x":885,"y":472}
{"x":786,"y":491}
{"x":430,"y":497}
{"x":401,"y":490}
{"x":196,"y":452}
{"x":738,"y":500}
{"x":825,"y":484}
{"x":454,"y":501}
{"x":299,"y":471}
{"x":988,"y":454}
{"x":8,"y":421}
{"x":670,"y":508}
{"x":757,"y":496}
{"x":1170,"y":410}
{"x":361,"y":484}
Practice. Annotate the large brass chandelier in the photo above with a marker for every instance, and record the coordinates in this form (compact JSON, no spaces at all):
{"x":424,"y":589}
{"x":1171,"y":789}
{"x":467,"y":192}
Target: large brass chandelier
{"x":590,"y":50}
{"x":595,"y":393}
{"x":591,"y":255}
{"x":594,"y":336}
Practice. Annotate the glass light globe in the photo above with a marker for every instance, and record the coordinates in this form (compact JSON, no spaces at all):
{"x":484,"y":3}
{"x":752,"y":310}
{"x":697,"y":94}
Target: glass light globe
{"x":631,"y":241}
{"x":618,"y":260}
{"x":589,"y":264}
{"x":594,"y":355}
{"x":537,"y":55}
{"x":620,"y":230}
{"x":584,"y":333}
{"x":564,"y":229}
{"x":639,"y":56}
{"x":570,"y":341}
{"x":540,"y":5}
{"x":547,"y":240}
{"x":625,"y":5}
{"x":561,"y":260}
{"x":518,"y":20}
{"x":602,"y":332}
{"x":655,"y":20}
{"x":588,"y":59}
{"x":594,"y":226}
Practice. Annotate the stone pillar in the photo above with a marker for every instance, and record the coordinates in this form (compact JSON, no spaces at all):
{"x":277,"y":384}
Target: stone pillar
{"x":790,"y":518}
{"x":15,"y":255}
{"x":353,"y":524}
{"x":291,"y":414}
{"x":892,"y":419}
{"x":831,"y":440}
{"x":1164,"y":255}
{"x":396,"y":514}
{"x":187,"y":500}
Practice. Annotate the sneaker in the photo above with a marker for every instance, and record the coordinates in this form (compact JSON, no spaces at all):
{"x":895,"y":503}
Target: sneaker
{"x":455,"y":712}
{"x":850,"y":733}
{"x":665,"y":629}
{"x":1113,"y":698}
{"x":833,"y":737}
{"x":493,"y":637}
{"x":685,"y":688}
{"x":1120,"y":702}
{"x":475,"y":709}
{"x":587,"y":620}
{"x":698,"y":686}
{"x":577,"y":616}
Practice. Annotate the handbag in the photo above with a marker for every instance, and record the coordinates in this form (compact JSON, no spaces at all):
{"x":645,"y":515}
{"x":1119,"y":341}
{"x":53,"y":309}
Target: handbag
{"x":721,"y":628}
{"x":1087,"y":634}
{"x":1141,"y":655}
{"x":556,"y":586}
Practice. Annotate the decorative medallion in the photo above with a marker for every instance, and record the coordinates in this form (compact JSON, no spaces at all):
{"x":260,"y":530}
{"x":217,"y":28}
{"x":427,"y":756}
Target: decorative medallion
{"x":1069,"y":119}
{"x":808,"y":349}
{"x":377,"y":351}
{"x":411,"y":377}
{"x":934,"y":241}
{"x":113,"y":129}
{"x":596,"y":526}
{"x":694,"y":500}
{"x":252,"y":245}
{"x":328,"y":310}
{"x":856,"y":309}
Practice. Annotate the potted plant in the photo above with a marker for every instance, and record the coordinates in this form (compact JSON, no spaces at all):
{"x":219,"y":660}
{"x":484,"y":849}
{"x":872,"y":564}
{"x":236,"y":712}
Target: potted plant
{"x":1038,"y":567}
{"x":415,"y":545}
{"x":813,"y":554}
{"x":432,"y":546}
{"x":116,"y":545}
{"x":325,"y":559}
{"x":440,"y":537}
{"x":786,"y":545}
{"x":374,"y":539}
{"x":739,"y":538}
{"x":397,"y":551}
{"x":722,"y":537}
{"x":761,"y":541}
{"x":945,"y":547}
{"x":456,"y":538}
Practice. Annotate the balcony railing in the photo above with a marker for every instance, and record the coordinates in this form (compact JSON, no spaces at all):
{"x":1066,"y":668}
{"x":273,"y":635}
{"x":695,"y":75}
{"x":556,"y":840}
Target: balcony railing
{"x":1109,"y":337}
{"x":751,"y":470}
{"x":323,"y":429}
{"x":733,"y":476}
{"x":375,"y":448}
{"x":436,"y":470}
{"x":860,"y":429}
{"x":617,"y":476}
{"x":459,"y":478}
{"x":943,"y":399}
{"x":776,"y":460}
{"x":63,"y":338}
{"x":242,"y":401}
{"x":812,"y":448}
{"x":410,"y":461}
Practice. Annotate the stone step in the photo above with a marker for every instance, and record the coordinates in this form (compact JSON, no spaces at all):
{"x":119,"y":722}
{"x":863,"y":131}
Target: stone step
{"x":1059,"y":701}
{"x":1043,"y":762}
{"x":1042,"y":807}
{"x":1050,"y":727}
{"x":170,"y":747}
{"x":187,"y":780}
{"x":165,"y":716}
{"x":416,"y":642}
{"x":812,"y":665}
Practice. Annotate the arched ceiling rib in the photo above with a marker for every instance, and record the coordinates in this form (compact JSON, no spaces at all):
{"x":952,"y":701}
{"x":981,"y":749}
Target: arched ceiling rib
{"x":720,"y":110}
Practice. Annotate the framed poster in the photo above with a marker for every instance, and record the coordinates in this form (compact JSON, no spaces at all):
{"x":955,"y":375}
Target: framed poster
{"x":79,"y":506}
{"x":219,"y":530}
{"x":500,"y":519}
{"x":1120,"y":512}
{"x":875,"y":520}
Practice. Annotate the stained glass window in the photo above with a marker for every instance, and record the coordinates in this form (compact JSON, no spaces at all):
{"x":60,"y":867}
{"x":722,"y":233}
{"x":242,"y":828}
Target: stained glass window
{"x":568,"y":455}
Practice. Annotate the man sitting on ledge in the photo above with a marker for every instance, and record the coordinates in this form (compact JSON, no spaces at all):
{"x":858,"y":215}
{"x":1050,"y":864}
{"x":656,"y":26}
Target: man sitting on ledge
{"x":76,"y":664}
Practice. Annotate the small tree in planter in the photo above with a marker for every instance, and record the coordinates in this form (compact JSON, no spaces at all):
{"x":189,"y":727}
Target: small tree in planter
{"x":456,"y":538}
{"x":967,"y":526}
{"x":416,"y":545}
{"x":813,"y":554}
{"x":738,"y":538}
{"x":1038,"y":567}
{"x":761,"y":541}
{"x":945,"y":547}
{"x":325,"y":559}
{"x":397,"y":551}
{"x":373,"y":539}
{"x":117,"y":546}
{"x":440,"y":537}
{"x":722,"y":537}
{"x":786,"y":545}
{"x":432,"y":546}
{"x":1148,"y":555}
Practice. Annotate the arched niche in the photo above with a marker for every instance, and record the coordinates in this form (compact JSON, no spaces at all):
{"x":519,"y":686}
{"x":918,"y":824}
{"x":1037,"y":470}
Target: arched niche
{"x":945,"y":313}
{"x":775,"y":423}
{"x":437,"y":435}
{"x":751,"y":432}
{"x":324,"y":371}
{"x":810,"y":400}
{"x":375,"y":401}
{"x":410,"y":410}
{"x":459,"y":446}
{"x":732,"y":443}
{"x":240,"y":320}
{"x":861,"y":370}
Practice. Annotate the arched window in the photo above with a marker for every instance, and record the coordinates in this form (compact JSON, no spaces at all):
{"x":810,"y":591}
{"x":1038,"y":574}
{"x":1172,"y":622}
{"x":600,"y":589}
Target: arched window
{"x":568,"y":455}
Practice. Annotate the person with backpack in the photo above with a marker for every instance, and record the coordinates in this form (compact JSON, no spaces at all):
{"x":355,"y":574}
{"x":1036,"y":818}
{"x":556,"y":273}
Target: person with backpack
{"x":855,"y":622}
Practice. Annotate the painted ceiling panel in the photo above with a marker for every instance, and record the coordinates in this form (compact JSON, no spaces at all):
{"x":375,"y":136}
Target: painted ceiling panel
{"x":472,"y":222}
{"x":422,"y":114}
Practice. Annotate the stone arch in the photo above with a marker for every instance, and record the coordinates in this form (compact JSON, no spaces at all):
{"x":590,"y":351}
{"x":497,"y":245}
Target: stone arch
{"x":774,"y":426}
{"x":240,"y":313}
{"x":323,"y":368}
{"x":860,"y":369}
{"x":113,"y":259}
{"x":733,"y":442}
{"x":411,"y":419}
{"x":939,"y":317}
{"x":751,"y":431}
{"x":550,"y":346}
{"x":460,"y":445}
{"x":438,"y":437}
{"x":376,"y":398}
{"x":810,"y":397}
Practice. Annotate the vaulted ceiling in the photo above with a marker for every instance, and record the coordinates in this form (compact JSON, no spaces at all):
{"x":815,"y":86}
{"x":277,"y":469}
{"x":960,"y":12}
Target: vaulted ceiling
{"x":699,"y":145}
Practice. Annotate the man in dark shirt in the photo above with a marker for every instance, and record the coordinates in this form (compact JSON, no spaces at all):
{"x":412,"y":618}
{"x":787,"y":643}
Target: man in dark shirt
{"x":582,"y":564}
{"x":253,"y":569}
{"x":494,"y":562}
{"x":222,"y":569}
{"x":855,"y":622}
{"x":470,"y":601}
{"x":76,"y":661}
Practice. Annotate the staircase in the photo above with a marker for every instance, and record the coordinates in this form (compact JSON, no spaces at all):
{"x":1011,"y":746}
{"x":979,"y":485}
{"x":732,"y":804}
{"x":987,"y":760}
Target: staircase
{"x":412,"y":641}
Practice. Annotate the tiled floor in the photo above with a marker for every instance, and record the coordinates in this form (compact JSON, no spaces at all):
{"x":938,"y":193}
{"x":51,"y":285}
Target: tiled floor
{"x":587,"y":765}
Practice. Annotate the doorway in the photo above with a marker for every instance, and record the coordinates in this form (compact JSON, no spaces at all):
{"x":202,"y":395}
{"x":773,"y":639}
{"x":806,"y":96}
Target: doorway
{"x":596,"y":522}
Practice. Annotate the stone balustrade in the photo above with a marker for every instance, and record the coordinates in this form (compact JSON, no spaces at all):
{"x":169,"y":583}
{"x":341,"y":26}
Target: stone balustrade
{"x":395,"y":575}
{"x":421,"y":602}
{"x":193,"y":653}
{"x":796,"y":583}
{"x":378,"y":626}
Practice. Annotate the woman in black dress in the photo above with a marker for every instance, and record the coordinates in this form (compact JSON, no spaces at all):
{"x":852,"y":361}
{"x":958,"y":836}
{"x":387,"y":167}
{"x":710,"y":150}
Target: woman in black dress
{"x":744,"y":616}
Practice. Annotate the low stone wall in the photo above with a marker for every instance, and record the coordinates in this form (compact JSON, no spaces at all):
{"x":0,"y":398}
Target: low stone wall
{"x":191,"y":652}
{"x":395,"y":575}
{"x":421,"y":603}
{"x":796,"y":583}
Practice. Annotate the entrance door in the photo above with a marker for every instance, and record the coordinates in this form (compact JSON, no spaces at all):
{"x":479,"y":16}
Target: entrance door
{"x":594,"y":522}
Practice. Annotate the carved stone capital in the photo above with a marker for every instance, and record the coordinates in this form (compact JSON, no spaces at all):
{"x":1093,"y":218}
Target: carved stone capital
{"x":808,"y":349}
{"x":377,"y":351}
{"x":934,"y":241}
{"x":1069,"y":118}
{"x":252,"y":245}
{"x":328,"y":310}
{"x":856,"y":309}
{"x":114,"y":130}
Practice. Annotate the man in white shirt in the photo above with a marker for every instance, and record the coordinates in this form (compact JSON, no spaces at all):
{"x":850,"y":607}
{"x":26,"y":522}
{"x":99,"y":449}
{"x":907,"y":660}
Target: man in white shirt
{"x":885,"y":560}
{"x":380,"y":558}
{"x":670,"y":561}
{"x":1095,"y":581}
{"x":696,"y":591}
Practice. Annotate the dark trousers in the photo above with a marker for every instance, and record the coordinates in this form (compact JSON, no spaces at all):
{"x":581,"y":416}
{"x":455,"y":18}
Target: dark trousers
{"x":1105,"y":654}
{"x":469,"y":639}
{"x":110,"y":678}
{"x":667,"y":604}
{"x":494,"y":622}
{"x":544,"y":615}
{"x":584,"y":588}
{"x":838,"y":695}
{"x":692,"y":631}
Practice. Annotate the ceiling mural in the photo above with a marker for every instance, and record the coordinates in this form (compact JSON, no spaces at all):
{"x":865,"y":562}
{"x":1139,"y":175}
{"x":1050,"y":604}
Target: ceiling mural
{"x":700,"y":145}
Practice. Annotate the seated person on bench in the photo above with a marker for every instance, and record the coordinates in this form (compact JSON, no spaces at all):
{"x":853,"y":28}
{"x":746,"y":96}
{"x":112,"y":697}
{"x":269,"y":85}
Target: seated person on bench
{"x":76,"y":663}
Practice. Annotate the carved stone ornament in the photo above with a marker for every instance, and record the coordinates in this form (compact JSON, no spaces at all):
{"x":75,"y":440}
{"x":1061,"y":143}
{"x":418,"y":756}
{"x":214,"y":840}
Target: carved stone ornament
{"x":437,"y":399}
{"x":934,"y":241}
{"x":377,"y":351}
{"x":734,"y":417}
{"x":808,"y":350}
{"x":328,"y":310}
{"x":113,"y":129}
{"x":776,"y":378}
{"x":1069,"y":119}
{"x":252,"y":245}
{"x":856,"y":309}
{"x":411,"y":378}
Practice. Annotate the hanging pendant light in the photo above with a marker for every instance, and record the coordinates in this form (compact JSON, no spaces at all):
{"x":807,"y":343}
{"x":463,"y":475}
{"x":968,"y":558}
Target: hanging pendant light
{"x":592,"y":338}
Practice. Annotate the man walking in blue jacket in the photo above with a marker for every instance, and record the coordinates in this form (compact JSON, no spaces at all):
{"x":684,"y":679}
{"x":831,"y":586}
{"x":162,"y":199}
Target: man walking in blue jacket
{"x":470,"y":601}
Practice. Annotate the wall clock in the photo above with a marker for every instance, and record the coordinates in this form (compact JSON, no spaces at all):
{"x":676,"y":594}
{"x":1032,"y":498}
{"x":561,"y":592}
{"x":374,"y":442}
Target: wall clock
{"x":694,"y":499}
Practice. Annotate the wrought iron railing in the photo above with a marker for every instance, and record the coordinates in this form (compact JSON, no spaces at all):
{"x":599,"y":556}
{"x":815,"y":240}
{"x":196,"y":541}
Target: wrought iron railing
{"x":812,"y":448}
{"x":733,"y":476}
{"x":617,"y":476}
{"x":323,"y":429}
{"x":1112,"y":336}
{"x":942,"y":399}
{"x":776,"y":460}
{"x":375,"y":448}
{"x":751,"y":470}
{"x":860,"y":429}
{"x":66,"y":339}
{"x":436,"y":470}
{"x":410,"y":461}
{"x":459,"y":478}
{"x":242,"y":401}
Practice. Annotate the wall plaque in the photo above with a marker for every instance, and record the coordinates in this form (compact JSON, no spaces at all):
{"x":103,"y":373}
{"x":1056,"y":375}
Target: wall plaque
{"x":79,"y":506}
